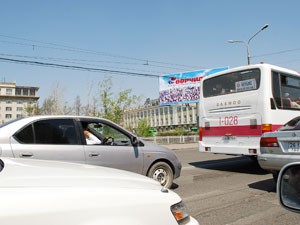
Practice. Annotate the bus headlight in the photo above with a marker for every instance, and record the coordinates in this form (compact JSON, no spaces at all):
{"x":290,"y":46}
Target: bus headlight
{"x":180,"y":213}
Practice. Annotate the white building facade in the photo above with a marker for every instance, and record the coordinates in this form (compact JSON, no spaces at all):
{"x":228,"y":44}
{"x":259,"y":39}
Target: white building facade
{"x":15,"y":99}
{"x":162,"y":118}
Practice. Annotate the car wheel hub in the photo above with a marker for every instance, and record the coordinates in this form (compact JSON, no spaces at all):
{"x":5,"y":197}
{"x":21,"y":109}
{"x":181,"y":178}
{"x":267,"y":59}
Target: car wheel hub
{"x":160,"y":175}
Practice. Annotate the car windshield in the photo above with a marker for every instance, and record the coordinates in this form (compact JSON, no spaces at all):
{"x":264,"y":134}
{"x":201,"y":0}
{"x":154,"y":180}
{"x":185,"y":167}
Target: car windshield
{"x":293,"y":124}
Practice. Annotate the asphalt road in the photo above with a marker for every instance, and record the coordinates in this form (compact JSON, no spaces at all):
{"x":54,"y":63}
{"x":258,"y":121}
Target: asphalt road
{"x":220,"y":189}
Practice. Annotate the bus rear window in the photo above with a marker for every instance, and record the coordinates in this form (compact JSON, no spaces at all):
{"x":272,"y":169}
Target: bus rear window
{"x":229,"y":83}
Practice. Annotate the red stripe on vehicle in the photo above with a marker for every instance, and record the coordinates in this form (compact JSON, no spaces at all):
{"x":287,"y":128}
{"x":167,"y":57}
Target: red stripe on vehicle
{"x":275,"y":127}
{"x":247,"y":130}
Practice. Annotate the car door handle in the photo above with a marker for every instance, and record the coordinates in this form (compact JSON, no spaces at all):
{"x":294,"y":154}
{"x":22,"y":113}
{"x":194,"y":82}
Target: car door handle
{"x":26,"y":154}
{"x":92,"y":154}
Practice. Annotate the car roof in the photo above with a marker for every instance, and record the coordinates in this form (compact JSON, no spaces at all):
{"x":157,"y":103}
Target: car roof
{"x":20,"y":122}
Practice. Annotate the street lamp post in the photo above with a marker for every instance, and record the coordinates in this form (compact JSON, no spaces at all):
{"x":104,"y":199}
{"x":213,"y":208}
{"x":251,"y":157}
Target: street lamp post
{"x":247,"y":43}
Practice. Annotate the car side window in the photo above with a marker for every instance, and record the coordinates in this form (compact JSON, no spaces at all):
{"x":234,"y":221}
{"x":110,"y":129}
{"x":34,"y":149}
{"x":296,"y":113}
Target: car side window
{"x":55,"y":131}
{"x":25,"y":136}
{"x":114,"y":136}
{"x":109,"y":135}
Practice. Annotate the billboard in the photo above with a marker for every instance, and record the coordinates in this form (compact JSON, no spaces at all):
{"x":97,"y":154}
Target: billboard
{"x":182,"y":88}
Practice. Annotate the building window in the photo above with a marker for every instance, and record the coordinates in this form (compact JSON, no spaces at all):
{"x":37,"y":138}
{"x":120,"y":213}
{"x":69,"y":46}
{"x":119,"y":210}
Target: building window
{"x":8,"y":91}
{"x":166,"y":110}
{"x":179,"y":109}
{"x":19,"y":115}
{"x":156,"y":112}
{"x":20,"y":102}
{"x":8,"y":101}
{"x":161,"y":111}
{"x":7,"y":116}
{"x":171,"y":110}
{"x":19,"y":109}
{"x":8,"y":109}
{"x":25,"y":91}
{"x":32,"y":92}
{"x":18,"y":91}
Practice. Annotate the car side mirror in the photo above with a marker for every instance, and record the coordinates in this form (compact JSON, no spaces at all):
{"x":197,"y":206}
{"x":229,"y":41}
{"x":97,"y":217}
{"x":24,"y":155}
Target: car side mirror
{"x":134,"y":141}
{"x":288,"y":187}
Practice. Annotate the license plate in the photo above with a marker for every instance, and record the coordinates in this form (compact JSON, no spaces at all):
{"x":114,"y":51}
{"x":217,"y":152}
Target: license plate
{"x":294,"y":146}
{"x":228,"y":138}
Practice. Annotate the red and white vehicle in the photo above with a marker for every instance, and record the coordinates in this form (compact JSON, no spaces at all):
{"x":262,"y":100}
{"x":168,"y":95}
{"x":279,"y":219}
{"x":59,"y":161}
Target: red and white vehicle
{"x":238,"y":105}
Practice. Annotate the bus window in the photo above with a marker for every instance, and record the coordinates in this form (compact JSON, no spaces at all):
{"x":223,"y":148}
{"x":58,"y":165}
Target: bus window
{"x":277,"y":90}
{"x":286,"y":91}
{"x":232,"y":83}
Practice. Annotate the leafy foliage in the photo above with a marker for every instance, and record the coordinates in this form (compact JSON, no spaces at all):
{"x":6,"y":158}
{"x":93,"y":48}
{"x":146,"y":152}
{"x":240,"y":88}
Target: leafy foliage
{"x":110,"y":106}
{"x":113,"y":106}
{"x":143,"y":129}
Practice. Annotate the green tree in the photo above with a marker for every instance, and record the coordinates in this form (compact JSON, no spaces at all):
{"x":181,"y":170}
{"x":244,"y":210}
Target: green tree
{"x":143,"y":129}
{"x":113,"y":105}
{"x":31,"y":110}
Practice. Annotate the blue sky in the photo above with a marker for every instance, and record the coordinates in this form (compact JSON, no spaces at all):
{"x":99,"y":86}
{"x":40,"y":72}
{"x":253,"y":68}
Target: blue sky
{"x":174,"y":36}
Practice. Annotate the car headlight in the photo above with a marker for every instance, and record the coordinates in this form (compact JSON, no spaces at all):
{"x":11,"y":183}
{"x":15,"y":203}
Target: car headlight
{"x":180,"y":213}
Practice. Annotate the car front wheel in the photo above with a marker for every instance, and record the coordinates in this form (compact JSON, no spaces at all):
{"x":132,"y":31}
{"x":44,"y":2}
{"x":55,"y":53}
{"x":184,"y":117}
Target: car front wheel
{"x":163,"y":173}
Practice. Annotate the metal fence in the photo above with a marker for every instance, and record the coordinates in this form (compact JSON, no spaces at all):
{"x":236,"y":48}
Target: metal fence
{"x":172,"y":139}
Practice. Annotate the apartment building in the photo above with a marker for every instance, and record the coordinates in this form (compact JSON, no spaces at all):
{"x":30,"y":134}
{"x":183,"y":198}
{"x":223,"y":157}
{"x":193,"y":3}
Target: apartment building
{"x":14,"y":100}
{"x":162,"y":118}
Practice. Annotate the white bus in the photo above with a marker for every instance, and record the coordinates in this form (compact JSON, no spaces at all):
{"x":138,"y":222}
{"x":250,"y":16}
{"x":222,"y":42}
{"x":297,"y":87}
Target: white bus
{"x":238,"y":105}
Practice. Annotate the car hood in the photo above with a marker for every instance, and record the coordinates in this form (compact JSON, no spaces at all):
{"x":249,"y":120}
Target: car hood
{"x":156,"y":147}
{"x":43,"y":173}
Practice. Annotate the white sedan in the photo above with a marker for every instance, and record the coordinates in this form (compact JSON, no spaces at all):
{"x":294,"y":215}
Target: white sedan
{"x":35,"y":192}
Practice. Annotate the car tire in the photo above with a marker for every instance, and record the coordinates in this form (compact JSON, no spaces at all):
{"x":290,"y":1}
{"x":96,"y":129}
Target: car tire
{"x":275,"y":175}
{"x":163,"y":173}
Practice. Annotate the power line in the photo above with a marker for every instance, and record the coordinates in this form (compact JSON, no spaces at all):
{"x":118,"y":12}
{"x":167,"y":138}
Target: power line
{"x":79,"y":51}
{"x":87,"y":51}
{"x":77,"y":67}
{"x":277,"y":53}
{"x":84,"y":60}
{"x":76,"y":61}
